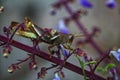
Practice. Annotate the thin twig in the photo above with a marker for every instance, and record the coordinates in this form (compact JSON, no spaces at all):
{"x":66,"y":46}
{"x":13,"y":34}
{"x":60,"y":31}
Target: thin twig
{"x":21,"y":61}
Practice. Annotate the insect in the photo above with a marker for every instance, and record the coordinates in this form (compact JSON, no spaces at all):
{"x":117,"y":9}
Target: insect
{"x":46,"y":35}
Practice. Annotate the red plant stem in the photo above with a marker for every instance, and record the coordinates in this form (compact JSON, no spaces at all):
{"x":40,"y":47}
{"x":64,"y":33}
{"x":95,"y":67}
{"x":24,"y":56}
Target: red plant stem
{"x":53,"y":66}
{"x":81,"y":27}
{"x":61,"y":66}
{"x":47,"y":57}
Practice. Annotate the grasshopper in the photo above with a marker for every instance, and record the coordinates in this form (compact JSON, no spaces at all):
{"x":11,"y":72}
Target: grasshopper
{"x":46,"y":35}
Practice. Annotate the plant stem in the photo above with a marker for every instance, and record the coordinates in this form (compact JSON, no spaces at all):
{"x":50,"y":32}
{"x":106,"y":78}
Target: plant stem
{"x":21,"y":61}
{"x":46,"y":56}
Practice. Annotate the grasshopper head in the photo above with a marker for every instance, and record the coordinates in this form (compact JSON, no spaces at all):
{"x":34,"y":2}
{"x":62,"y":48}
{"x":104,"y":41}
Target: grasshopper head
{"x":13,"y":25}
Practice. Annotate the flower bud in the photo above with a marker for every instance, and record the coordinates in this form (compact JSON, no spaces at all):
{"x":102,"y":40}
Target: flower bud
{"x":13,"y":67}
{"x":10,"y":69}
{"x":33,"y":65}
{"x":1,"y":9}
{"x":6,"y":52}
{"x":42,"y":73}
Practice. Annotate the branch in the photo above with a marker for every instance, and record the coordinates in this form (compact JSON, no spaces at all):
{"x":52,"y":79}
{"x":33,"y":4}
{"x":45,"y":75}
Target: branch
{"x":47,"y":57}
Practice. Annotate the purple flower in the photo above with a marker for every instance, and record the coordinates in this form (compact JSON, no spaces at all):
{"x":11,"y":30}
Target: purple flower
{"x":111,"y":4}
{"x":56,"y":77}
{"x":38,"y":47}
{"x":65,"y":52}
{"x":116,"y":54}
{"x":86,"y":4}
{"x":53,"y":12}
{"x":113,"y":72}
{"x":61,"y":26}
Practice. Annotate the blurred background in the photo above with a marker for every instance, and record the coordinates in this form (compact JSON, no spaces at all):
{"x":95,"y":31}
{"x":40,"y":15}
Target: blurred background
{"x":108,"y":20}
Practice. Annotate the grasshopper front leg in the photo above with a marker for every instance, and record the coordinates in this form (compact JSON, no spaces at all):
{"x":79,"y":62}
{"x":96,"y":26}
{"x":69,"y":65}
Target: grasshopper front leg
{"x":49,"y":48}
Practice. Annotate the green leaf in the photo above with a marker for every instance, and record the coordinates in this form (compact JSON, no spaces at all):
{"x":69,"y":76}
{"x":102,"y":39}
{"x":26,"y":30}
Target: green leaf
{"x":99,"y":69}
{"x":90,"y":62}
{"x":105,"y":69}
{"x":82,"y":66}
{"x":109,"y":66}
{"x":81,"y":62}
{"x":102,"y":70}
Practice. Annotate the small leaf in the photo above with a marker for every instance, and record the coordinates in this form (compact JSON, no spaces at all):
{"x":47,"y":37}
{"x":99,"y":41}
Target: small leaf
{"x":90,"y":62}
{"x":105,"y":69}
{"x":100,"y":69}
{"x":109,"y":66}
{"x":82,"y":66}
{"x":81,"y":62}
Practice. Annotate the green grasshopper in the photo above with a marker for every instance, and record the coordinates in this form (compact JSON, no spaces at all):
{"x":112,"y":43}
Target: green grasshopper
{"x":38,"y":34}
